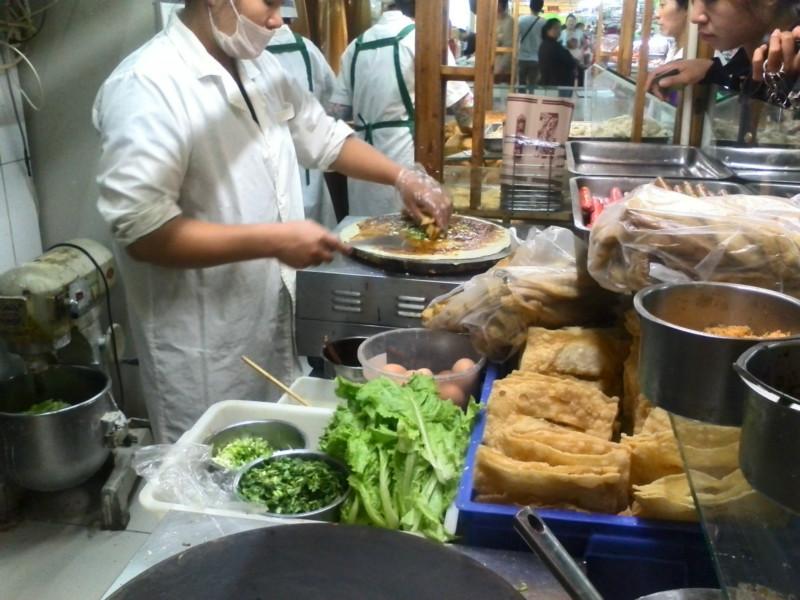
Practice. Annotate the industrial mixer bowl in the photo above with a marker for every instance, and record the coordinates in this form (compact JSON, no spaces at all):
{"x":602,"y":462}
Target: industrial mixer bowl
{"x":56,"y":450}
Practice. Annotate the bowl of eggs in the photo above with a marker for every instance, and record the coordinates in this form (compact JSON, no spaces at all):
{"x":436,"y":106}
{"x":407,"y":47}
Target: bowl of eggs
{"x":448,"y":357}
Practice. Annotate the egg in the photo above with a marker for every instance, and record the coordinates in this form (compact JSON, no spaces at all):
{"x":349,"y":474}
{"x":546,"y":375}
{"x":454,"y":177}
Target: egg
{"x":452,"y":392}
{"x":463,"y":364}
{"x":444,"y":373}
{"x":424,"y":371}
{"x":395,"y":369}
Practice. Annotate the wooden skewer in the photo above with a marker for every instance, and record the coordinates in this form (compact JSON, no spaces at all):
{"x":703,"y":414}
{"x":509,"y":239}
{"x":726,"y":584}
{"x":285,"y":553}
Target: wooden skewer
{"x":290,"y":393}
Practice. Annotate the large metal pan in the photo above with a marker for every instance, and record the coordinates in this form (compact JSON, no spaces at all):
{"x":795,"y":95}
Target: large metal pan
{"x":318,"y":561}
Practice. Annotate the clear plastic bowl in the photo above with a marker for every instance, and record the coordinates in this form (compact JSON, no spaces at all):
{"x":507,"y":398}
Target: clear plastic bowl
{"x":423,"y":348}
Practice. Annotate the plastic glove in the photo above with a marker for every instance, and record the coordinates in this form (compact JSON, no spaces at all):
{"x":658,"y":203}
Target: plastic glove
{"x":424,"y":199}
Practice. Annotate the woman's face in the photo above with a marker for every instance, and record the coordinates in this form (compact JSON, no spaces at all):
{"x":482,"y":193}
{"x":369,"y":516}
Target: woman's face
{"x":571,"y":22}
{"x":671,"y":18}
{"x":554,"y":32}
{"x":728,"y":24}
{"x":266,"y":13}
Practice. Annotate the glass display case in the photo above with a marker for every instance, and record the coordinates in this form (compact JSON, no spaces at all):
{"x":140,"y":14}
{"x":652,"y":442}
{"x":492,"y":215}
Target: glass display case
{"x":772,"y":125}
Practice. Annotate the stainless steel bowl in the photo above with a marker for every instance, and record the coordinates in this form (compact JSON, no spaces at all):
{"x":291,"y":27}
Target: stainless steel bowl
{"x":770,"y":443}
{"x":340,"y":358}
{"x":689,"y":372}
{"x":326,"y":513}
{"x":58,"y":450}
{"x":278,"y":434}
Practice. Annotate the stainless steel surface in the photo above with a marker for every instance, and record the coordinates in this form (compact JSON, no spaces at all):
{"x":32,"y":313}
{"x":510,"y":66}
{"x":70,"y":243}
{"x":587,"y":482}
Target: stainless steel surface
{"x":57,"y":450}
{"x":180,"y":530}
{"x":278,"y":434}
{"x":770,"y":444}
{"x":601,"y":186}
{"x":763,"y":188}
{"x":348,"y":298}
{"x":642,"y":160}
{"x":688,"y":372}
{"x":686,"y":594}
{"x":340,"y":359}
{"x":542,"y":541}
{"x":776,"y":165}
{"x":326,"y":513}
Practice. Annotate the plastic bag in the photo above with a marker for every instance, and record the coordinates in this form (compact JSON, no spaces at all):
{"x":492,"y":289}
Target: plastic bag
{"x":544,"y":283}
{"x":657,"y":235}
{"x":183,"y":474}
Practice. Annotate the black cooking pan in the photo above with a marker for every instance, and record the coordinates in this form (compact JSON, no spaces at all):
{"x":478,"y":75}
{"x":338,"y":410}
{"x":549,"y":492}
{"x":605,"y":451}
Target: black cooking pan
{"x":318,"y":562}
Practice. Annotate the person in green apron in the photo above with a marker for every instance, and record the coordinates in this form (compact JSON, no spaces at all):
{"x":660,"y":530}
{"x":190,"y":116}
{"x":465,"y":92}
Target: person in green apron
{"x":375,"y":88}
{"x":304,"y":63}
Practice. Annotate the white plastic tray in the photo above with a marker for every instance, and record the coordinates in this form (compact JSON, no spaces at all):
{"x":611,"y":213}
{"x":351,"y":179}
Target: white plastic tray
{"x":310,"y":420}
{"x":318,"y":392}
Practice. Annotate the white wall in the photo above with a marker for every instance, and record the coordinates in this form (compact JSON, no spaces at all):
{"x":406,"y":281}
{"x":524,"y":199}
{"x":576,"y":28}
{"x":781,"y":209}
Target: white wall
{"x":80,"y":44}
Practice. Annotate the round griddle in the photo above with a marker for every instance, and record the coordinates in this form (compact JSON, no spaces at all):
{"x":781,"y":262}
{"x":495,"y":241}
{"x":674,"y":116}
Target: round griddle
{"x":318,"y":562}
{"x":418,"y":267}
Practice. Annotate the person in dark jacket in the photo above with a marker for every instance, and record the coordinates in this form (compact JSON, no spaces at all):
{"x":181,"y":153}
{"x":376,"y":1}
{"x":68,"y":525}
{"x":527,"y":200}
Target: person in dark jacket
{"x":557,"y":67}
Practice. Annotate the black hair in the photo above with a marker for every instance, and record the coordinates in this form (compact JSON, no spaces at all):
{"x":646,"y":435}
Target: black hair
{"x":538,"y":5}
{"x":502,"y":5}
{"x":682,"y":4}
{"x":549,"y":24}
{"x":407,"y":7}
{"x":580,"y":24}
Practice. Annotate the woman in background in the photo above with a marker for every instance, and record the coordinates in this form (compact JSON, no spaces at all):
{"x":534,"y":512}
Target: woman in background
{"x":557,"y":67}
{"x":672,"y":17}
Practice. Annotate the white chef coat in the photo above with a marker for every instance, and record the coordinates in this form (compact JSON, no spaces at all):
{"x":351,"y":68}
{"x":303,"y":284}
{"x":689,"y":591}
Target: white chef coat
{"x":179,"y":139}
{"x":376,"y":98}
{"x":316,"y":198}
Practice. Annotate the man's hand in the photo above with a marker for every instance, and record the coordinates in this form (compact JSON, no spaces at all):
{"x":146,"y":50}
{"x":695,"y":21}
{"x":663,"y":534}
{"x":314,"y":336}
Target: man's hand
{"x":305,"y":244}
{"x":780,"y":53}
{"x":423,"y":197}
{"x":689,"y":71}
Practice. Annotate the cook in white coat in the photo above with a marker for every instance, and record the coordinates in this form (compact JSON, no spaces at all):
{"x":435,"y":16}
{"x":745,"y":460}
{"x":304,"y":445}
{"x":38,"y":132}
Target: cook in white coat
{"x":375,"y":88}
{"x":201,"y":133}
{"x":304,"y":63}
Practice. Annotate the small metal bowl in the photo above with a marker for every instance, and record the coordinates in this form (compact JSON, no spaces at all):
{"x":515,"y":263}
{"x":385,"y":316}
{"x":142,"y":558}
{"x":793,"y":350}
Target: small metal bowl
{"x":278,"y":434}
{"x":326,"y":513}
{"x":345,"y":350}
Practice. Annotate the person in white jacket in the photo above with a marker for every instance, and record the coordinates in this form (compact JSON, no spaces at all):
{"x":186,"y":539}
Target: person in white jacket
{"x":201,"y":132}
{"x":375,"y":88}
{"x":304,"y":63}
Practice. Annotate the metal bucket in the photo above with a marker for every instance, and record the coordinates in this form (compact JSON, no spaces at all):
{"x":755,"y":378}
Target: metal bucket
{"x":340,"y":359}
{"x":770,"y":443}
{"x":58,"y":450}
{"x":688,"y":372}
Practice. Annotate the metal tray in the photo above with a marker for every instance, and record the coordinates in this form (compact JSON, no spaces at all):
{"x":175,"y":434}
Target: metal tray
{"x":776,"y":165}
{"x":444,"y":267}
{"x":764,"y":188}
{"x":602,"y":186}
{"x":625,"y":159}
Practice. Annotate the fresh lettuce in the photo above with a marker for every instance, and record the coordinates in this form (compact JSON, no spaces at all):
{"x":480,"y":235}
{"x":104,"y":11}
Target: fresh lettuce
{"x":405,"y":448}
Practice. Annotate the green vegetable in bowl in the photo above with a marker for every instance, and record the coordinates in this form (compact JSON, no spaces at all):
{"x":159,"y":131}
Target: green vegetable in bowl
{"x":292,"y":485}
{"x":47,"y":406}
{"x":243,"y":450}
{"x":405,"y":449}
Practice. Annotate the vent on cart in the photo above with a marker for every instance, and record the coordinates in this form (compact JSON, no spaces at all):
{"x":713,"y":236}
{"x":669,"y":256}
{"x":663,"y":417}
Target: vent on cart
{"x":411,"y":306}
{"x":347,"y":301}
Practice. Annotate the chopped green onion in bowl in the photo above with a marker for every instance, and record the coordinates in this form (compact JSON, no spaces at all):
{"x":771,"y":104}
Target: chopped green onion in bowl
{"x":242,"y":451}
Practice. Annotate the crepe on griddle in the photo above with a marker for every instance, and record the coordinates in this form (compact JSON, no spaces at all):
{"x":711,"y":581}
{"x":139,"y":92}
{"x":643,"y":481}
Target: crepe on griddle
{"x":396,"y":236}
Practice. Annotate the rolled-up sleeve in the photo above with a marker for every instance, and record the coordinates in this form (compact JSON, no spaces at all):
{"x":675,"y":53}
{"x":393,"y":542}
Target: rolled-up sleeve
{"x":144,"y":156}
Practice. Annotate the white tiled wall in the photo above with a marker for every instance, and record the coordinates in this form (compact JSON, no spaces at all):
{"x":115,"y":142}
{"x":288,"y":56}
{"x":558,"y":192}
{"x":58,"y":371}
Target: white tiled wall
{"x":20,"y":237}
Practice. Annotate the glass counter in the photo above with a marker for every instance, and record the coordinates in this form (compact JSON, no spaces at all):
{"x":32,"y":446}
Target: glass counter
{"x":755,"y":543}
{"x":775,"y":126}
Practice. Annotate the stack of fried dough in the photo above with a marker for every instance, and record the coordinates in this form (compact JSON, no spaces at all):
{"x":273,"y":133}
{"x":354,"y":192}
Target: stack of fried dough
{"x":553,"y":436}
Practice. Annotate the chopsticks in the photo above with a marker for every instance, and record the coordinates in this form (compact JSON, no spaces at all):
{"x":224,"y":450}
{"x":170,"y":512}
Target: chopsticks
{"x":290,"y":393}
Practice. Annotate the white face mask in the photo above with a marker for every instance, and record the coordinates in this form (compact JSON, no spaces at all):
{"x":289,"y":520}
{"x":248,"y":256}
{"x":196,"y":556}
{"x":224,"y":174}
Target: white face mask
{"x":247,"y":42}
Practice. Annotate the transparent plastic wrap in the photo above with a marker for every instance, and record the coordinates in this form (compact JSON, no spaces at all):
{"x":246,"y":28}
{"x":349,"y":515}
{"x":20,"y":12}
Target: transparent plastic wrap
{"x":657,"y":235}
{"x":183,"y":474}
{"x":544,"y":283}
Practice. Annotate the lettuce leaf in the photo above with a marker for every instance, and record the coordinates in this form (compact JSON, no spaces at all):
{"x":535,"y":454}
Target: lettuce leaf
{"x":405,"y":448}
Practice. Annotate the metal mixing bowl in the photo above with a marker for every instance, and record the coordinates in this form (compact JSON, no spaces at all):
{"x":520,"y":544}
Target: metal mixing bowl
{"x":326,"y":513}
{"x":770,"y":445}
{"x":278,"y":434}
{"x":57,"y":450}
{"x":346,"y":351}
{"x":688,"y":372}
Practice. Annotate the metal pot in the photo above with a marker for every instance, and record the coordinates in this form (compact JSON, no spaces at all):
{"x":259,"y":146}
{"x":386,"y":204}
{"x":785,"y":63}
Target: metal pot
{"x":57,"y":450}
{"x":340,"y":358}
{"x":770,"y":445}
{"x":688,"y":372}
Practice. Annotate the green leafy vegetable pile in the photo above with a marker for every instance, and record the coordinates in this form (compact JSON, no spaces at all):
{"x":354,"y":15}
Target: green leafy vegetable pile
{"x":292,"y":485}
{"x":405,"y":448}
{"x":47,"y":406}
{"x":244,"y":450}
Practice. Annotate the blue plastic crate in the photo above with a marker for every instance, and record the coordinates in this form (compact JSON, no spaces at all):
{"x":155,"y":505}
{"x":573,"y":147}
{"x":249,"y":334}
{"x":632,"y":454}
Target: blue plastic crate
{"x":625,"y":557}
